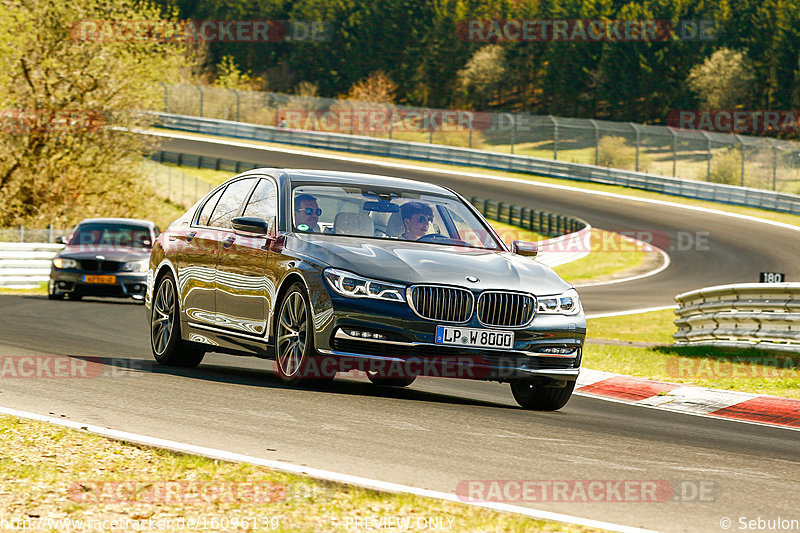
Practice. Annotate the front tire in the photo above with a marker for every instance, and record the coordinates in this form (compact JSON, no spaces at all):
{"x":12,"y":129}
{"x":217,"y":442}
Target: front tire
{"x":295,"y":354}
{"x":165,"y":329}
{"x":540,"y":397}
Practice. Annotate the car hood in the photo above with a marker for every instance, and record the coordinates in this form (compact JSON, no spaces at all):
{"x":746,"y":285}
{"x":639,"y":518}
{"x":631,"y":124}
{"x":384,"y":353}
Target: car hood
{"x":109,"y":253}
{"x":414,"y":262}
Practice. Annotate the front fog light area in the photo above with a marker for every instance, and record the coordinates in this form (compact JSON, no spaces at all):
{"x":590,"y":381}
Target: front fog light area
{"x":365,"y":334}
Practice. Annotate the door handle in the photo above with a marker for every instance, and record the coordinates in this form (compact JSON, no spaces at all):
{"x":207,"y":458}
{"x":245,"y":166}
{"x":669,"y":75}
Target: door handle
{"x":228,"y":241}
{"x":190,"y":236}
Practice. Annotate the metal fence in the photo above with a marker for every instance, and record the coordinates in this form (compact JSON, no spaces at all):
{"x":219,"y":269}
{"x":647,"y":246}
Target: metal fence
{"x":25,"y":234}
{"x":757,"y":162}
{"x":715,"y":192}
{"x":170,"y":183}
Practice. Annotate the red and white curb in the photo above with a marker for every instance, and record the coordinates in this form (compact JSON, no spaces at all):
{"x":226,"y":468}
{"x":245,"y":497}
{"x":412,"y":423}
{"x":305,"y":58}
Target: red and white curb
{"x":735,"y":405}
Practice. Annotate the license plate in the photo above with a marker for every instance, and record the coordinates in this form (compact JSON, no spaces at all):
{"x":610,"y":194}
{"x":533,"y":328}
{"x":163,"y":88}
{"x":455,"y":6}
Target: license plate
{"x":478,"y":338}
{"x":100,"y":279}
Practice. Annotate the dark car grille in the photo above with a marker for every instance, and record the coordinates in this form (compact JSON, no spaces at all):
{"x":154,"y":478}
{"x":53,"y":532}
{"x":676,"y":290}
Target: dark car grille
{"x":93,"y":265}
{"x":445,"y":304}
{"x":505,"y":309}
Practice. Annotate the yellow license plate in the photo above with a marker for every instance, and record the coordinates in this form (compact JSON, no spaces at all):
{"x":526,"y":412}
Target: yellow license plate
{"x":100,"y":279}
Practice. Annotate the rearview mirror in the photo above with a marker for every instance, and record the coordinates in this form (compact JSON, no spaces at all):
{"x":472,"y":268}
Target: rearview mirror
{"x":525,"y":249}
{"x":257,"y":225}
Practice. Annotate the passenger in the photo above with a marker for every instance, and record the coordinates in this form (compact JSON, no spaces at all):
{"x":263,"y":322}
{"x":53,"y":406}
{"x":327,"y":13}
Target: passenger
{"x":306,"y":213}
{"x":417,"y":218}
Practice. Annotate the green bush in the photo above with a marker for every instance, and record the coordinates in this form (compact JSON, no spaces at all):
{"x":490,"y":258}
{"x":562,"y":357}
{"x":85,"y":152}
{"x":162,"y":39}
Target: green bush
{"x":614,"y":152}
{"x":726,"y":167}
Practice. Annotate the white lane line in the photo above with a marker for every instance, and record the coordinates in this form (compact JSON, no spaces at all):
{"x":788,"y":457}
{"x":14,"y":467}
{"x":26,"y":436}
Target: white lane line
{"x":665,"y":262}
{"x":316,"y":473}
{"x":632,"y":311}
{"x":471,"y":175}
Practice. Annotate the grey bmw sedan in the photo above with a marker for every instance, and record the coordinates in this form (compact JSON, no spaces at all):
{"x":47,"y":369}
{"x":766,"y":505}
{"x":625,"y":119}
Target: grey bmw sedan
{"x":330,"y":272}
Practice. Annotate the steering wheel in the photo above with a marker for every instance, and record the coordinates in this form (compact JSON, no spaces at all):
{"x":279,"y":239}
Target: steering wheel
{"x":434,"y":237}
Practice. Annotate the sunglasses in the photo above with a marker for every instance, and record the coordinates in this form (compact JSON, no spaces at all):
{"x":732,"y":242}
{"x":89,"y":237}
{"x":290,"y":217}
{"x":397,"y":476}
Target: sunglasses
{"x":423,"y":218}
{"x":310,"y":211}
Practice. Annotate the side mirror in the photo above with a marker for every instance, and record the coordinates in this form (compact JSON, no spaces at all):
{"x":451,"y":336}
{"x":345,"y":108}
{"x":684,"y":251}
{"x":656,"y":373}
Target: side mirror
{"x":256,"y":225}
{"x":60,"y":240}
{"x":525,"y":249}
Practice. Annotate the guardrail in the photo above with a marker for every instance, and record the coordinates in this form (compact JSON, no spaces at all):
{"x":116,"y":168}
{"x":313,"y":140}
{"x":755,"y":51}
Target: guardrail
{"x":715,"y":192}
{"x":25,"y":265}
{"x":744,"y":315}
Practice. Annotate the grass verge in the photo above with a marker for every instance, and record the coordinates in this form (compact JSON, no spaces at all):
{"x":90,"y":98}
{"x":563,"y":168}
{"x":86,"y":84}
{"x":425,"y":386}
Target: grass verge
{"x":41,"y":289}
{"x":750,"y":370}
{"x":55,"y":473}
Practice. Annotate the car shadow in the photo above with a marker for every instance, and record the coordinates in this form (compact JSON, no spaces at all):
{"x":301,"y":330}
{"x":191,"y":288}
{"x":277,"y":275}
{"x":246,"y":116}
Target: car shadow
{"x":266,"y":378}
{"x":88,"y":300}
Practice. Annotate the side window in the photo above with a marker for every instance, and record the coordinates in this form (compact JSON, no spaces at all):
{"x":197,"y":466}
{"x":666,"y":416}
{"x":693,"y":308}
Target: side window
{"x":208,"y":207}
{"x":228,"y":206}
{"x":264,"y":201}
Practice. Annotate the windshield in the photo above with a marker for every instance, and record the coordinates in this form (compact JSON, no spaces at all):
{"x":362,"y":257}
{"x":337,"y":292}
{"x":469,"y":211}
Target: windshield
{"x":398,"y":215}
{"x":121,"y":235}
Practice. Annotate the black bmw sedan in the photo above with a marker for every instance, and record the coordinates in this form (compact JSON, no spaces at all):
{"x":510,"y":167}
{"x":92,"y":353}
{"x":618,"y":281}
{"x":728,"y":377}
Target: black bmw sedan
{"x":103,"y":257}
{"x":330,"y":272}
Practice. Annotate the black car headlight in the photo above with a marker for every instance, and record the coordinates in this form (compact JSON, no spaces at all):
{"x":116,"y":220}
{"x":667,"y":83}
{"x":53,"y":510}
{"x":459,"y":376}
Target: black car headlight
{"x":566,"y":303}
{"x":355,"y":286}
{"x":63,"y":262}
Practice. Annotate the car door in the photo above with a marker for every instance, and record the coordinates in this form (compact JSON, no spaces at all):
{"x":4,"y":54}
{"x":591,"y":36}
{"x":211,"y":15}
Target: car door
{"x":240,"y":287}
{"x":197,"y":263}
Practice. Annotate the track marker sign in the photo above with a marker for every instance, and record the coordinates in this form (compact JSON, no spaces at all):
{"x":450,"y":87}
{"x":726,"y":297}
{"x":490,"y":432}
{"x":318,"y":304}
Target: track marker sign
{"x":771,"y":277}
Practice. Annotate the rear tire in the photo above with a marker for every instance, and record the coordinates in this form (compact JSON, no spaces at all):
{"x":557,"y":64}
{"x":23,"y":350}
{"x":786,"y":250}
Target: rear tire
{"x":295,"y":356}
{"x":539,"y":397}
{"x":165,"y":329}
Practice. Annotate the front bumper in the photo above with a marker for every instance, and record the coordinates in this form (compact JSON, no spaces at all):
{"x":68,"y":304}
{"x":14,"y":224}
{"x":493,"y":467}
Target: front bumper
{"x":408,"y":348}
{"x":73,"y":281}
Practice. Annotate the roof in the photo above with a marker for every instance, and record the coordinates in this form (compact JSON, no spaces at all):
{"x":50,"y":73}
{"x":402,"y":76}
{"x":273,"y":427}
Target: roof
{"x":109,"y":220}
{"x":354,"y":178}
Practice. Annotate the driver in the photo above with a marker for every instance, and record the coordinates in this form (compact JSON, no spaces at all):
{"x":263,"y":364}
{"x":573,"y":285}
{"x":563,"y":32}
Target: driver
{"x":306,"y":213}
{"x":417,"y":218}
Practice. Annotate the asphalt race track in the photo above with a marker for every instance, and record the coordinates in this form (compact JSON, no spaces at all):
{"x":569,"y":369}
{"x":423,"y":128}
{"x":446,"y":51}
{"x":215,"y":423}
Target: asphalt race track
{"x":438,"y":433}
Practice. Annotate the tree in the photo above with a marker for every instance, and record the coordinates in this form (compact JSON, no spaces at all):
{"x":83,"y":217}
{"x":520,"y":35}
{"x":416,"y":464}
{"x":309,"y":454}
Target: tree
{"x":377,"y":87}
{"x":73,"y":80}
{"x":483,"y":72}
{"x":724,"y":80}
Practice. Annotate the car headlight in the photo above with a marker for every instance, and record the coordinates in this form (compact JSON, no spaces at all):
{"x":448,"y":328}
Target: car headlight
{"x":567,"y":303}
{"x":62,"y":262}
{"x":355,"y":286}
{"x":135,"y":266}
